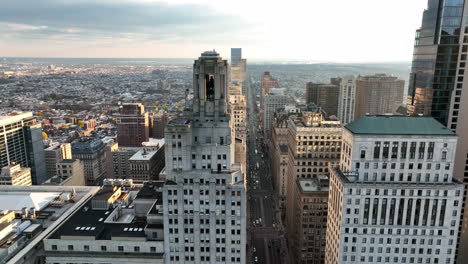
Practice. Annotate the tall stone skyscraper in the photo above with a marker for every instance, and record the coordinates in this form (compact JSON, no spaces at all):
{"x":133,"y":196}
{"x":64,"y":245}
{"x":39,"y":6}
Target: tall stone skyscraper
{"x":204,"y":197}
{"x":438,"y":83}
{"x":393,"y":198}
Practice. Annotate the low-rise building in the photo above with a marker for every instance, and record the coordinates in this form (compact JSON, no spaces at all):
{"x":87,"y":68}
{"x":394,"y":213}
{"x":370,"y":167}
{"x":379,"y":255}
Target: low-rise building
{"x":13,"y":174}
{"x":115,"y":226}
{"x":28,"y":214}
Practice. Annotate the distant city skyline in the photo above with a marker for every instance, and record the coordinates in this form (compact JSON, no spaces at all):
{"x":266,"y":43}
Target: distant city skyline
{"x":331,"y":31}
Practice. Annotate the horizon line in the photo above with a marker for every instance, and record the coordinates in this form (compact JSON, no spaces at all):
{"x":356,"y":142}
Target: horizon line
{"x":310,"y":61}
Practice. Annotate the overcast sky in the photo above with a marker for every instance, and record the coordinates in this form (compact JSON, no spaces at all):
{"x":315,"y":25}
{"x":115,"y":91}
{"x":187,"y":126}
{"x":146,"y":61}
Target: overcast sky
{"x":325,"y":30}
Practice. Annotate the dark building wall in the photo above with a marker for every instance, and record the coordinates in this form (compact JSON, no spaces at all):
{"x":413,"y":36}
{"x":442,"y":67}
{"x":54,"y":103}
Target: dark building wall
{"x":435,"y":59}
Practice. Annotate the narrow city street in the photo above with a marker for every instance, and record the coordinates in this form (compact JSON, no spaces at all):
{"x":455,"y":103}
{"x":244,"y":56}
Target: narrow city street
{"x":267,"y":242}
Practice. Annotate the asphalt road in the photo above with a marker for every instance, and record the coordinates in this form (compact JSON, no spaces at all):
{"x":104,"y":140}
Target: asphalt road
{"x":266,"y":242}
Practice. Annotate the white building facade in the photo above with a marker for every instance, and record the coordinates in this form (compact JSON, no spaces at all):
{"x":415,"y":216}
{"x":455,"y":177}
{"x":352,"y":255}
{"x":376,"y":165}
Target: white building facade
{"x":393,"y":198}
{"x":273,"y":101}
{"x":347,"y":99}
{"x":204,"y":195}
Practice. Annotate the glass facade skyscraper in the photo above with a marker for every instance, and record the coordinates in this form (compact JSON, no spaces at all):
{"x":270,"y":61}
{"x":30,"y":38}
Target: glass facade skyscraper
{"x":435,"y":59}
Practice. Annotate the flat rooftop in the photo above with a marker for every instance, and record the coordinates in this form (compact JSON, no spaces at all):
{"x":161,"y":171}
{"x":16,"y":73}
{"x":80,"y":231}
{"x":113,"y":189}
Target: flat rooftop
{"x":91,"y":223}
{"x":143,"y":155}
{"x":53,"y":204}
{"x":398,"y":125}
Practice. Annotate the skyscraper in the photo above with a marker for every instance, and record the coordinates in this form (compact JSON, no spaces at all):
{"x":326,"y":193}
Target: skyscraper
{"x":238,"y":69}
{"x":236,"y":57}
{"x":132,"y":125}
{"x":273,"y":101}
{"x":433,"y":74}
{"x":204,"y":197}
{"x":307,"y":236}
{"x":393,"y":198}
{"x":266,"y":84}
{"x":438,"y":82}
{"x":21,"y":142}
{"x":324,"y":96}
{"x":347,"y":99}
{"x":378,"y":94}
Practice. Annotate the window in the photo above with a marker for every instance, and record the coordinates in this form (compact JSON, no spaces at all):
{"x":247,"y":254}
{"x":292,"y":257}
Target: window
{"x":444,"y":155}
{"x":70,"y":247}
{"x":363,"y":154}
{"x":377,"y":150}
{"x":137,"y":249}
{"x":121,"y":248}
{"x":86,"y":248}
{"x":103,"y":248}
{"x":54,"y":247}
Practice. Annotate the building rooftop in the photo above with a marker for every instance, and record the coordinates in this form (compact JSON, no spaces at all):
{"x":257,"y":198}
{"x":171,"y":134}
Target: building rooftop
{"x":86,"y":145}
{"x":117,"y":222}
{"x":398,"y":125}
{"x":41,"y":208}
{"x":6,"y":119}
{"x":314,"y":185}
{"x":143,"y":154}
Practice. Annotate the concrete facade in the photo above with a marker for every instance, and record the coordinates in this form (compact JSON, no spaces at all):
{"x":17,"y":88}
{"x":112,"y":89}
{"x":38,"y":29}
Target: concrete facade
{"x":393,"y":198}
{"x":347,"y":99}
{"x":378,"y":94}
{"x":204,"y":195}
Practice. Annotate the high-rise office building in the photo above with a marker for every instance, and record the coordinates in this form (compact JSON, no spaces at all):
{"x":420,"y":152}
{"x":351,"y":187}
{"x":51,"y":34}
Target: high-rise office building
{"x":314,"y":145}
{"x":307,"y":236}
{"x":158,"y":124}
{"x":54,"y":154}
{"x":272,"y":102}
{"x":204,"y":195}
{"x":92,"y":152}
{"x":120,"y":157}
{"x":21,"y":142}
{"x":393,"y":198}
{"x":266,"y":84}
{"x":324,"y":96}
{"x":347,"y":99}
{"x":132,"y":125}
{"x":238,"y":109}
{"x":236,"y":56}
{"x":438,"y":82}
{"x":378,"y":94}
{"x":436,"y":58}
{"x":238,"y":69}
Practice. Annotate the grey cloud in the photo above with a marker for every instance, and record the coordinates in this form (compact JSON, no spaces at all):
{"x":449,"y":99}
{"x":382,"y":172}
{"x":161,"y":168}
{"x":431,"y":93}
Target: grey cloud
{"x":154,"y":20}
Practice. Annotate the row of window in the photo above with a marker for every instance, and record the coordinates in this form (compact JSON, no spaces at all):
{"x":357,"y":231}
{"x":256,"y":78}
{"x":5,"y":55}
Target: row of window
{"x":104,"y":248}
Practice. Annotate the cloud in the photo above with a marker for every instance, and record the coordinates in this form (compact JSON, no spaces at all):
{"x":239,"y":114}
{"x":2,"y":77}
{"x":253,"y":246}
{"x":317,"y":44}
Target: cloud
{"x":43,"y":19}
